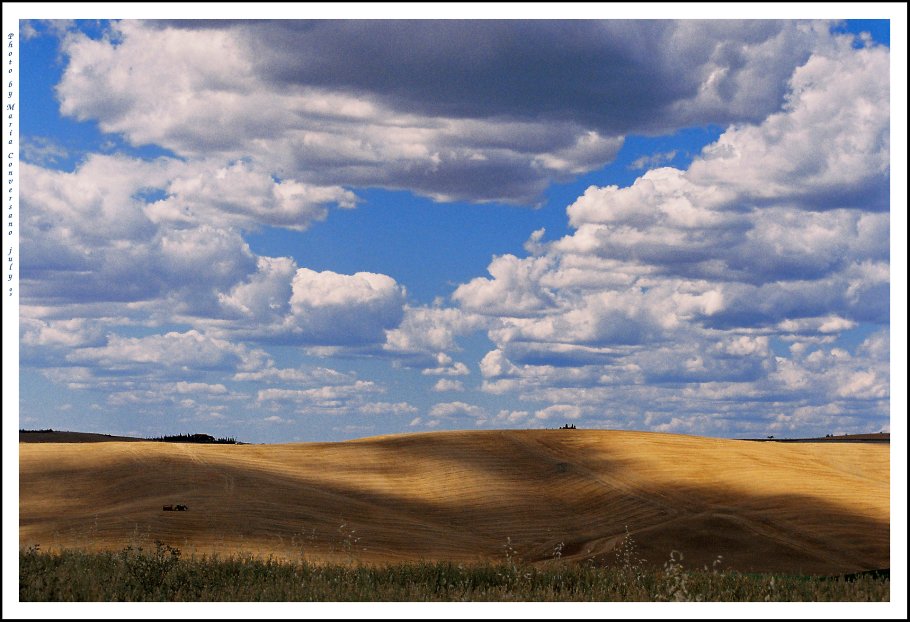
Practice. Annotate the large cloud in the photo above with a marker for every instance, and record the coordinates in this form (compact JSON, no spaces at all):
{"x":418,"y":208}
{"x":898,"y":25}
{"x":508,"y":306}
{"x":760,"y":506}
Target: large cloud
{"x":777,"y":233}
{"x":336,"y":308}
{"x":453,"y":109}
{"x":136,"y":240}
{"x":828,"y":148}
{"x":612,"y":75}
{"x":282,"y":303}
{"x":102,"y":234}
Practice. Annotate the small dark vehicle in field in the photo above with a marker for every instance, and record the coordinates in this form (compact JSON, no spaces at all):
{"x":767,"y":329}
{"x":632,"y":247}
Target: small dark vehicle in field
{"x":175,"y":508}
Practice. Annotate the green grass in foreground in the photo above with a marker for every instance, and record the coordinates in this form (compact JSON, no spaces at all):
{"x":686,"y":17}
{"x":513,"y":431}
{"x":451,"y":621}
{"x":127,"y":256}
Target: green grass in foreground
{"x":161,"y":575}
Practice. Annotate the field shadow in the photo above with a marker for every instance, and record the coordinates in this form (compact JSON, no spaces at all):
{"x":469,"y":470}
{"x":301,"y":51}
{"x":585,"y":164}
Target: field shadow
{"x":445,"y":498}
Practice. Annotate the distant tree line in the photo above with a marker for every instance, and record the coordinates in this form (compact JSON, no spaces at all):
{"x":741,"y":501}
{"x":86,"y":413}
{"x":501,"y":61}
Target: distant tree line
{"x":195,"y":438}
{"x":171,"y":438}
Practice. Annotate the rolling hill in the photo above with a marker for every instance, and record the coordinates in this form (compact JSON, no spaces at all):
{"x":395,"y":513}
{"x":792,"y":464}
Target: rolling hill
{"x":56,"y":436}
{"x":472,"y":496}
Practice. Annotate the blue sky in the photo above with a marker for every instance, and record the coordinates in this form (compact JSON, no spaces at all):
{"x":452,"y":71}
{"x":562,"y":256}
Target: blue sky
{"x":296,"y":231}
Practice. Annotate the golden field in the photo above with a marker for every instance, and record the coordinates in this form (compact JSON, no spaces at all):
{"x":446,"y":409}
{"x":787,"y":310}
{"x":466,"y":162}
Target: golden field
{"x":808,"y":508}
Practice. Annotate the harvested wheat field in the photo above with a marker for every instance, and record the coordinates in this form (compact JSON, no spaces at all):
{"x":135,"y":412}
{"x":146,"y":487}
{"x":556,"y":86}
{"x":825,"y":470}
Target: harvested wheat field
{"x":808,"y":508}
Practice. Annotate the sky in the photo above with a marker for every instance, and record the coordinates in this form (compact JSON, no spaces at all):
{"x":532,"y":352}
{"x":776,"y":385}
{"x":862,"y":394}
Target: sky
{"x":292,"y":230}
